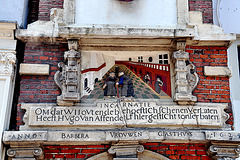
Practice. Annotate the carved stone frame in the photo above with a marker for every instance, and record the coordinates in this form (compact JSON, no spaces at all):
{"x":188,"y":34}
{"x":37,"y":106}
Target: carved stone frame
{"x":182,"y":12}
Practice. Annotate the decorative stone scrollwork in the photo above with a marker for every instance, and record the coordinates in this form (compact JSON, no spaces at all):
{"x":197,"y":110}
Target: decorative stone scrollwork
{"x":7,"y":62}
{"x":126,"y":151}
{"x":25,"y":153}
{"x":186,"y":78}
{"x":224,"y":152}
{"x":11,"y":152}
{"x":68,"y":78}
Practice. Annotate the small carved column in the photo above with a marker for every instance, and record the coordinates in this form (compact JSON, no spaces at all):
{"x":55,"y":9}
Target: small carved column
{"x":224,"y":152}
{"x":124,"y":152}
{"x":186,"y":78}
{"x":68,"y":77}
{"x":22,"y":153}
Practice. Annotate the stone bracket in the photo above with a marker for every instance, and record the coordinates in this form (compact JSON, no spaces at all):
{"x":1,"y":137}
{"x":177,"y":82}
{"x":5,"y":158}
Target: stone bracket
{"x":126,"y":151}
{"x":217,"y":71}
{"x":186,"y":78}
{"x":25,"y":153}
{"x":224,"y":151}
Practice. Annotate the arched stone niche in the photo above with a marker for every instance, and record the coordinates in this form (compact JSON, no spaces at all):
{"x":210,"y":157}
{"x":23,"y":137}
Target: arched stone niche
{"x":145,"y":155}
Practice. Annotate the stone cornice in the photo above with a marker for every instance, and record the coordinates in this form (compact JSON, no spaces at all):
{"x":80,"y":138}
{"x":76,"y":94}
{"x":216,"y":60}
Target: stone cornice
{"x":108,"y":136}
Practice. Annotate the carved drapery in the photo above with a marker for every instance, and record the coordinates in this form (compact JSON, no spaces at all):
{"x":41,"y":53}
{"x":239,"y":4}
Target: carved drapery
{"x":186,"y":78}
{"x":7,"y":63}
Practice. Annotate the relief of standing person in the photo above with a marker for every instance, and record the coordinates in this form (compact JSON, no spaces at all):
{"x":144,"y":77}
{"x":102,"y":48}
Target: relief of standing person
{"x":126,"y":85}
{"x":158,"y":85}
{"x":147,"y":79}
{"x":110,"y":85}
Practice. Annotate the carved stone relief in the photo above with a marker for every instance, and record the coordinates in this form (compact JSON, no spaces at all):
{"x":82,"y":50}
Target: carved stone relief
{"x":126,"y":151}
{"x":186,"y":78}
{"x":7,"y":62}
{"x":224,"y":151}
{"x":68,"y":77}
{"x":25,"y":153}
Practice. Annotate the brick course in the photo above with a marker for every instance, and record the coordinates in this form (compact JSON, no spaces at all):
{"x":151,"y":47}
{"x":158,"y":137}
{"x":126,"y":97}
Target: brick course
{"x":33,"y":6}
{"x":179,"y":150}
{"x":80,"y":152}
{"x":41,"y":89}
{"x":45,"y":7}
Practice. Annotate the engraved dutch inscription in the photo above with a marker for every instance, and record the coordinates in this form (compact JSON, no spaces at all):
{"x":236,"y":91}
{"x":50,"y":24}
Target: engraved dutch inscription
{"x":136,"y":114}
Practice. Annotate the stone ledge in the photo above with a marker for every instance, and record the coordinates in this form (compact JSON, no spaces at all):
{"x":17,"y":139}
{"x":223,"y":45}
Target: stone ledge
{"x":107,"y":136}
{"x":34,"y":69}
{"x":217,"y":71}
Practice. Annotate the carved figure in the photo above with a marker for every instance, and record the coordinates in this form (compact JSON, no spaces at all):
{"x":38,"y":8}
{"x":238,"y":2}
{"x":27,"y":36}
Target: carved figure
{"x":147,"y":79}
{"x":126,"y":85}
{"x":186,"y":78}
{"x":68,"y":78}
{"x":158,"y":84}
{"x":110,"y":85}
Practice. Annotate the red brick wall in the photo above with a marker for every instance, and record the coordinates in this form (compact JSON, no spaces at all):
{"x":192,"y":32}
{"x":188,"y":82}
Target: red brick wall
{"x":80,"y":152}
{"x":33,"y":6}
{"x":45,"y":6}
{"x":211,"y":89}
{"x":41,"y":89}
{"x":180,"y":150}
{"x":170,"y":150}
{"x":204,"y":6}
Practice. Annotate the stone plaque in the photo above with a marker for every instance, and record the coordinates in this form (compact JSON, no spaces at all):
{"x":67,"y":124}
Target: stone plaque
{"x":126,"y":135}
{"x":76,"y":136}
{"x":129,"y":114}
{"x":177,"y":135}
{"x":223,"y":135}
{"x":25,"y":136}
{"x":104,"y":135}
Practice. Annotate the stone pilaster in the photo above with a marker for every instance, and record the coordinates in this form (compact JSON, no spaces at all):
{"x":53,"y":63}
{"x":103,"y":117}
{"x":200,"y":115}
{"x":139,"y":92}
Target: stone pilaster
{"x":7,"y":76}
{"x":68,"y":77}
{"x":185,"y":76}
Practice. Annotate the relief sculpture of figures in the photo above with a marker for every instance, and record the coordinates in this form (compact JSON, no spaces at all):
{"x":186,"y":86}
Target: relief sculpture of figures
{"x":110,"y":85}
{"x":158,"y":84}
{"x":125,"y":85}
